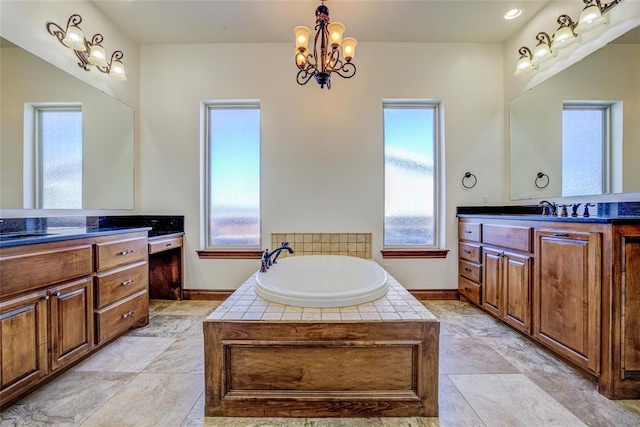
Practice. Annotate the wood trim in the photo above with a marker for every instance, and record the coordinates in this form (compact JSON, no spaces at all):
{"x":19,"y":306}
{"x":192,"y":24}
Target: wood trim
{"x":435,"y":294}
{"x":413,"y":253}
{"x":207,"y":254}
{"x":205,"y":294}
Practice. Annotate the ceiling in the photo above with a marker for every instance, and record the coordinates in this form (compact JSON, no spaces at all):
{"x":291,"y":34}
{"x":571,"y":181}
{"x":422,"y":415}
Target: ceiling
{"x":251,"y":21}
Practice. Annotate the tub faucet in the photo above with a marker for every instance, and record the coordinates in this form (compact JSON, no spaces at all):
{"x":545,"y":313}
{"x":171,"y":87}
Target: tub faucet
{"x":551,"y":205}
{"x":269,"y":258}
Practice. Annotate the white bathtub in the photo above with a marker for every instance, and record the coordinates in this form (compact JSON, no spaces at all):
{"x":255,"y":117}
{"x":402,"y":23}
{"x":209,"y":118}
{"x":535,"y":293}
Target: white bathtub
{"x":322,"y":281}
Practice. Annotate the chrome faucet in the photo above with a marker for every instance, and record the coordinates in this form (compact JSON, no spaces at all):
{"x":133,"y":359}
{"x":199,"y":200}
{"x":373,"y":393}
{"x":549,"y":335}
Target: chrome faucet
{"x":270,"y":258}
{"x":551,"y":205}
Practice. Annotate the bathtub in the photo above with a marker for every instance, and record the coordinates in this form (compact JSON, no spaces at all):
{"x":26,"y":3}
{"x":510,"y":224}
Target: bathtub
{"x":322,"y":281}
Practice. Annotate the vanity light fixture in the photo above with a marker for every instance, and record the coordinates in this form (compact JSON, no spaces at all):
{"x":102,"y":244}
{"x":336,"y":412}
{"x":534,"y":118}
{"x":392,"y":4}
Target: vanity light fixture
{"x":564,"y":36}
{"x":525,"y":64}
{"x":542,"y":52}
{"x":327,"y":46}
{"x":591,"y":16}
{"x":89,"y":53}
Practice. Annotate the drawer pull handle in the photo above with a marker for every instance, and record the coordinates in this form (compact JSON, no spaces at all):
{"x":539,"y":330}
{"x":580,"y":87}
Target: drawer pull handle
{"x":127,"y":252}
{"x":468,"y":270}
{"x":467,"y":231}
{"x":127,"y":282}
{"x":128,"y":314}
{"x":467,"y":289}
{"x":560,"y":234}
{"x":466,"y":251}
{"x":168,"y":245}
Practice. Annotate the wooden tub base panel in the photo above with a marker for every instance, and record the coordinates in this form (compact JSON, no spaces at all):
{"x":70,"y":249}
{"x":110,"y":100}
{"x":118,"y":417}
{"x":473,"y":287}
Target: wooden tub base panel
{"x":297,"y":369}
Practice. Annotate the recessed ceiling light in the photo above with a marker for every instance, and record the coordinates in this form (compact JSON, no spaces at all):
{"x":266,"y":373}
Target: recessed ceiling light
{"x":513,"y":14}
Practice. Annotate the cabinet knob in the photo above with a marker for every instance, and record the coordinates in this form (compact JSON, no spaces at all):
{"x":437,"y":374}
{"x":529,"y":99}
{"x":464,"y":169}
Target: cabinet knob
{"x":127,"y":252}
{"x":57,"y":294}
{"x":128,"y":314}
{"x":45,"y":297}
{"x":127,"y":282}
{"x":467,"y":289}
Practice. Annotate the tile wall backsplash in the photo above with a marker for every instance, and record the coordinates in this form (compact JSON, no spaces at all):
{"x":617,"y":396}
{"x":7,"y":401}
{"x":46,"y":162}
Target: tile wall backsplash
{"x":350,"y":244}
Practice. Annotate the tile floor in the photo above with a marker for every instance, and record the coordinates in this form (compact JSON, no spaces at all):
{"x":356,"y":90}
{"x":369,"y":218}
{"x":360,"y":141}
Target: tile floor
{"x":489,"y":376}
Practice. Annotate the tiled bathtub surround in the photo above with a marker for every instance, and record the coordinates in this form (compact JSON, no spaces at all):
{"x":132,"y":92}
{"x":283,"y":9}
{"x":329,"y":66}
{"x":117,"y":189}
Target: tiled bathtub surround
{"x":397,"y":304}
{"x":350,"y":244}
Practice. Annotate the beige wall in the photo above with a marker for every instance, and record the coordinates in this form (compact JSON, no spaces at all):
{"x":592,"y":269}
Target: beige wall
{"x":321,"y":150}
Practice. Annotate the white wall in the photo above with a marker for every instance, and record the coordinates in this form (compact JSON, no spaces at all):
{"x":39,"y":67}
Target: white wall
{"x":321,"y":150}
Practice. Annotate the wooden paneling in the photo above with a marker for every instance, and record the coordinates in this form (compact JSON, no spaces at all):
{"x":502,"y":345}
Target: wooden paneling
{"x":118,"y":317}
{"x":469,"y":231}
{"x":517,"y":291}
{"x":517,"y":238}
{"x":126,"y":250}
{"x":23,"y":343}
{"x":115,"y":284}
{"x":470,"y":252}
{"x":45,"y":264}
{"x":567,"y":302}
{"x":165,"y":244}
{"x":492,"y":280}
{"x":71,"y":320}
{"x":470,"y":270}
{"x":329,"y":369}
{"x":631,"y":313}
{"x":469,"y":290}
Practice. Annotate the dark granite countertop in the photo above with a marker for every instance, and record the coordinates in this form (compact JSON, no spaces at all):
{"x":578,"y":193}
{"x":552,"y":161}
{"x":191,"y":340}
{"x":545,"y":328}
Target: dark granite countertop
{"x":612,"y":213}
{"x":61,"y":234}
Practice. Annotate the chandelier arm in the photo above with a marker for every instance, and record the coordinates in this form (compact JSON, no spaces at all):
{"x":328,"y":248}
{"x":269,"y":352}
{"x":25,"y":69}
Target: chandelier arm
{"x":304,"y":76}
{"x":347,"y":70}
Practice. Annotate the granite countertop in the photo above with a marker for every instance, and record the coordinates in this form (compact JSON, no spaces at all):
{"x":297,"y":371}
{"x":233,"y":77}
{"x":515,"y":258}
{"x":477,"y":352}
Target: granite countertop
{"x":613,"y":213}
{"x":60,"y":234}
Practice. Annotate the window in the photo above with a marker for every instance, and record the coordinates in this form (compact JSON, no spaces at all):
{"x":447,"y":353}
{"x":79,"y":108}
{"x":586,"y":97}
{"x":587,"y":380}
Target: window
{"x":233,"y":175}
{"x":585,"y":148}
{"x":411,"y":156}
{"x":58,"y":168}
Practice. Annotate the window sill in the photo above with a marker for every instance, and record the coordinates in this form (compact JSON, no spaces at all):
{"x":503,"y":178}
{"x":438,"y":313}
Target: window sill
{"x":414,"y":253}
{"x":211,"y":254}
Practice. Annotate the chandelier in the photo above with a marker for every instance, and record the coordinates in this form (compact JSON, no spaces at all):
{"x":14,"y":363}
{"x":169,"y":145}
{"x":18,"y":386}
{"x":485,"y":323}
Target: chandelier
{"x":327,"y":44}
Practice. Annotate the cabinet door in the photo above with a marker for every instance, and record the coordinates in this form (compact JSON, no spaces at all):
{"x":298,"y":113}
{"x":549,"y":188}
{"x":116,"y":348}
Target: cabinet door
{"x":71,"y":321}
{"x":492,"y":280}
{"x":23,"y":343}
{"x":517,"y":291}
{"x":567,"y":295}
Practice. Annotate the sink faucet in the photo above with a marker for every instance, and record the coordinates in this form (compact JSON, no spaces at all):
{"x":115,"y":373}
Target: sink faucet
{"x":551,"y":205}
{"x":269,"y":258}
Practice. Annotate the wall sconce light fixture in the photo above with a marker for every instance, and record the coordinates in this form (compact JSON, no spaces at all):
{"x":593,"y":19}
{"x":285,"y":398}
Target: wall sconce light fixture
{"x":566,"y":35}
{"x":325,"y":58}
{"x":89,"y":53}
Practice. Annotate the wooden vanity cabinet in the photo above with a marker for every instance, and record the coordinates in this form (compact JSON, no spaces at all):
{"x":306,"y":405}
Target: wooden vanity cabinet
{"x":469,"y":261}
{"x":48,"y":308}
{"x":573,"y":287}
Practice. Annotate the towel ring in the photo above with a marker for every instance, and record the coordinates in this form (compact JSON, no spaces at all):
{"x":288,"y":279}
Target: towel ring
{"x":468,"y":175}
{"x":540,"y":180}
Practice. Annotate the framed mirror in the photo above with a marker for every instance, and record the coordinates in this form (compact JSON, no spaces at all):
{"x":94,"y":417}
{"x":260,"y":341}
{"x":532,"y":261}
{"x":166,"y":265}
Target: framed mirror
{"x":63,"y":143}
{"x":580,"y":128}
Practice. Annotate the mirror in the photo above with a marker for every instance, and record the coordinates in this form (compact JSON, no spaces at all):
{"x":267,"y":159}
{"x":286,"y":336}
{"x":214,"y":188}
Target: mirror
{"x":610,"y":77}
{"x":105,"y":136}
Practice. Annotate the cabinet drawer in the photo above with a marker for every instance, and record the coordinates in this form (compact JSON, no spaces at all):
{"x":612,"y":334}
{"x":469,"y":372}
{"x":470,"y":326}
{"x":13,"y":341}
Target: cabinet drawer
{"x":114,"y":319}
{"x":120,"y":252}
{"x":164,"y":244}
{"x":469,"y":231}
{"x":120,"y":283}
{"x":469,"y":290}
{"x":469,"y":252}
{"x":470,"y":270}
{"x":518,"y":238}
{"x":43,"y":266}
